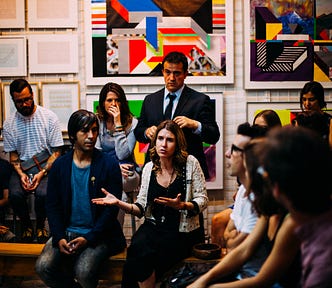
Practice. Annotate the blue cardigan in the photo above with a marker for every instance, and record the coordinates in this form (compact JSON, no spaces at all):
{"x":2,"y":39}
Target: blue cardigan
{"x":104,"y":173}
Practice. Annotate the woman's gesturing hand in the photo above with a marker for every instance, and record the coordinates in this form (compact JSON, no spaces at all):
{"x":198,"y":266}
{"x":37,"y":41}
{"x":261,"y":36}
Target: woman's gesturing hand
{"x":109,"y":199}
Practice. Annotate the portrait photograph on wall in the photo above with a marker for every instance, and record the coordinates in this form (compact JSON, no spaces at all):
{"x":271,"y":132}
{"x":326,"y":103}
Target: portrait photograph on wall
{"x":288,"y":42}
{"x":130,"y":38}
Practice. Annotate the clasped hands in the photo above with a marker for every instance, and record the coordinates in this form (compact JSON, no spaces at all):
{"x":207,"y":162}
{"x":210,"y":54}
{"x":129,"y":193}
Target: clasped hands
{"x":72,"y":246}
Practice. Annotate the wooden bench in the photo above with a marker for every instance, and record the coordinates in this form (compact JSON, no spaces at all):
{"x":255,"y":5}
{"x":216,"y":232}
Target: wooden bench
{"x":18,"y":259}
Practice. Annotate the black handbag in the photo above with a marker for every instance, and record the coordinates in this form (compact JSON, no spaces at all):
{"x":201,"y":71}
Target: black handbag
{"x":36,"y":163}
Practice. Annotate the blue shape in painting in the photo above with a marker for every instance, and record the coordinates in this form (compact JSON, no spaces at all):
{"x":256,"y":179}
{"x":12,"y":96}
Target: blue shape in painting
{"x":151,"y":31}
{"x":141,"y":5}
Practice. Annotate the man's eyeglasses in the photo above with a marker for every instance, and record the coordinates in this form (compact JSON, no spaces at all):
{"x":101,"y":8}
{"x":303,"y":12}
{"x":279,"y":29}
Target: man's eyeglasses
{"x":235,"y":148}
{"x":23,"y":100}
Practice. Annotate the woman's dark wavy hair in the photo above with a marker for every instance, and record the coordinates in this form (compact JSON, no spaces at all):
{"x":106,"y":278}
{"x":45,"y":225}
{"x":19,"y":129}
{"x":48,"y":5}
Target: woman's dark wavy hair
{"x":263,"y":202}
{"x":180,"y":153}
{"x":81,"y":119}
{"x":317,"y":90}
{"x":126,"y":115}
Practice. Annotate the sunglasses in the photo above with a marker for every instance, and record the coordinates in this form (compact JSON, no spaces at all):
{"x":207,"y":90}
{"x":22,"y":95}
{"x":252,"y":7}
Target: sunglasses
{"x":235,"y":148}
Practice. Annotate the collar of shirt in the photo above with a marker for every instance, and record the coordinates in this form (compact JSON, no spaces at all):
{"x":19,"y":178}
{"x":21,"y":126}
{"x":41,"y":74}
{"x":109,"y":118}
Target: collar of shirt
{"x":176,"y":99}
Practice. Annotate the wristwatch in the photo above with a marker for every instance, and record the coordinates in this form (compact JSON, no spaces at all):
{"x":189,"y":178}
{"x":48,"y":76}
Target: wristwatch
{"x":44,"y":171}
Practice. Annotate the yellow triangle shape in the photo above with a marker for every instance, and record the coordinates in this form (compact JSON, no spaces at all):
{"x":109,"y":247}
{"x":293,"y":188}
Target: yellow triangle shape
{"x":273,"y":29}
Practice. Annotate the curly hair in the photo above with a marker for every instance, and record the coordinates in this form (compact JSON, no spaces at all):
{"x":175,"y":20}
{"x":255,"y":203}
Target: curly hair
{"x":180,"y":154}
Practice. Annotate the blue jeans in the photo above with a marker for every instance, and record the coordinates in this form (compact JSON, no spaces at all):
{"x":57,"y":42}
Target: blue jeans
{"x":59,"y":270}
{"x":18,"y":200}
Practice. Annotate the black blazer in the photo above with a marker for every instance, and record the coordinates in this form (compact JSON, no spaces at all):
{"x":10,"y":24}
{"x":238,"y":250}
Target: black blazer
{"x":192,"y":104}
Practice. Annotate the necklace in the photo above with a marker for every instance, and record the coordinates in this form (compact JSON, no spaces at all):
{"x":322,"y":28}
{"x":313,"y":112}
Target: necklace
{"x":163,"y":218}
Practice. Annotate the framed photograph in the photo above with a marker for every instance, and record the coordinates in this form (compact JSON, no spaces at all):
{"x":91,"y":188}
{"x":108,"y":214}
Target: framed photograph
{"x":286,"y":110}
{"x":213,"y":153}
{"x":287,"y":45}
{"x":12,"y":14}
{"x":63,"y":98}
{"x":7,"y":102}
{"x":55,"y":53}
{"x":13,"y":56}
{"x":128,"y":44}
{"x":52,"y":14}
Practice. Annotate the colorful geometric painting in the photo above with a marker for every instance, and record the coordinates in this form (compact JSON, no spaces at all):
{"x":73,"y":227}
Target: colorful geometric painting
{"x":130,"y":38}
{"x":286,"y":111}
{"x":290,"y":42}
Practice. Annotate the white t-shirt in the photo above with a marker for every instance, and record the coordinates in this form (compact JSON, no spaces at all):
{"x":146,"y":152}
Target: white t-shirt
{"x":243,"y":215}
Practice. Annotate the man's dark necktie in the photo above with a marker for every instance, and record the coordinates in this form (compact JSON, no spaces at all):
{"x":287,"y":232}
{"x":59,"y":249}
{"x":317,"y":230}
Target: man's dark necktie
{"x":169,"y":108}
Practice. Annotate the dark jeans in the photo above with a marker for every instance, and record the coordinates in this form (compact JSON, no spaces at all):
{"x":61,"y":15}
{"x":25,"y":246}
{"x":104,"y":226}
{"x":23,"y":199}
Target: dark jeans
{"x":18,"y":200}
{"x":60,"y":270}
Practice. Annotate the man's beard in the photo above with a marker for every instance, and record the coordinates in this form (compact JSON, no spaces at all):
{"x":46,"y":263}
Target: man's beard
{"x":26,"y":111}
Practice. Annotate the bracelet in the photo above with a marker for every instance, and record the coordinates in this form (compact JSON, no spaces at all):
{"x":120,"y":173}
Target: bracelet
{"x":118,"y":127}
{"x":131,"y":209}
{"x":44,"y":171}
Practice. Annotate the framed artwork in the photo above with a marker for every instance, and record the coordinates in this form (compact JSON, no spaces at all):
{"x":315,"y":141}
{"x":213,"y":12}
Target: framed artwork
{"x":7,"y":102}
{"x":130,"y":38}
{"x":286,"y":110}
{"x":62,"y":98}
{"x":13,"y":56}
{"x":213,"y":153}
{"x":52,"y":14}
{"x":287,"y":43}
{"x":12,"y":14}
{"x":53,"y":53}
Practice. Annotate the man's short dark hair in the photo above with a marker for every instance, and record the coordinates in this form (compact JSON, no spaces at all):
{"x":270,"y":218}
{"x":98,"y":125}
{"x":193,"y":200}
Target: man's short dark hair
{"x":79,"y":120}
{"x":176,"y":57}
{"x":18,"y":85}
{"x":253,"y":131}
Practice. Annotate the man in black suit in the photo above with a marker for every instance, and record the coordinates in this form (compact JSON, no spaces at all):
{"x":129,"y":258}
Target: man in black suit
{"x":190,"y":109}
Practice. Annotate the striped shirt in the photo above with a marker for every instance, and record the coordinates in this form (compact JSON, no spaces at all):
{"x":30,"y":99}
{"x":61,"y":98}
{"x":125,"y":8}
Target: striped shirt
{"x":29,"y":135}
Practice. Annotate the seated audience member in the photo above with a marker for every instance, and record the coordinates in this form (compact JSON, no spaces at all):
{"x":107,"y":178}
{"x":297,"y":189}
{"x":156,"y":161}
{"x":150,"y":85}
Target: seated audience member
{"x":116,"y":133}
{"x":171,"y":197}
{"x":267,"y":119}
{"x":273,"y":237}
{"x":312,"y":99}
{"x":297,"y":163}
{"x":32,"y":130}
{"x":313,"y":120}
{"x":83,"y":235}
{"x":5,"y":170}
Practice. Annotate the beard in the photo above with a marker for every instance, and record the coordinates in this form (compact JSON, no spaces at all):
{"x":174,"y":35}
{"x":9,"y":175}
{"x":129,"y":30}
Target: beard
{"x":27,"y":110}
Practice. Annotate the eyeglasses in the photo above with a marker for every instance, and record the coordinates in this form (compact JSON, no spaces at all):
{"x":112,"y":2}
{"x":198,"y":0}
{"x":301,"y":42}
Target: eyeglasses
{"x":235,"y":148}
{"x":24,"y":100}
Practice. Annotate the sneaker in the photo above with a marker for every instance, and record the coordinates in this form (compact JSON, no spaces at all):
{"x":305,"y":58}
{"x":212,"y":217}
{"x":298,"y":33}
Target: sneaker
{"x":42,"y":235}
{"x":27,"y":235}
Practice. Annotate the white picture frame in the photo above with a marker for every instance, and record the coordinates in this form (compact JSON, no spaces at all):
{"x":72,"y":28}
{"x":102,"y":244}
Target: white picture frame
{"x":52,"y":14}
{"x":63,"y":98}
{"x":7,"y":102}
{"x":94,"y":11}
{"x":217,"y":181}
{"x":13,"y":56}
{"x":53,"y":53}
{"x":256,"y":53}
{"x":12,"y":14}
